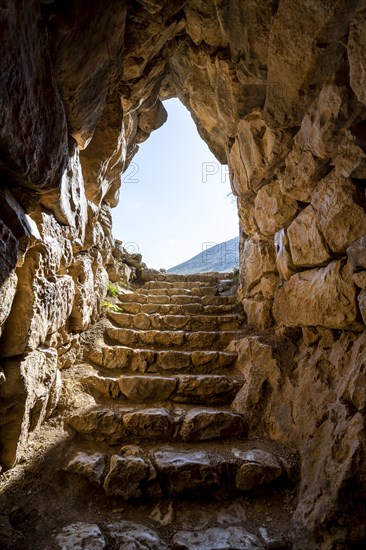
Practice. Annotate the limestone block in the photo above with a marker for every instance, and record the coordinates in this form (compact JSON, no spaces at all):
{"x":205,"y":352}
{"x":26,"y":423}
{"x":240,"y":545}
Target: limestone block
{"x":33,"y":151}
{"x":81,"y":535}
{"x":320,"y":126}
{"x":100,"y":424}
{"x":266,"y":288}
{"x":339,"y":218}
{"x":186,"y":470}
{"x":356,"y":253}
{"x":361,"y":298}
{"x":53,"y":249}
{"x":68,"y":202}
{"x":356,"y":53}
{"x":125,"y":475}
{"x":360,"y":279}
{"x":324,"y":297}
{"x":207,"y":389}
{"x":305,"y":240}
{"x":257,"y":468}
{"x":246,"y":215}
{"x":216,"y":537}
{"x":273,"y":210}
{"x":259,"y":312}
{"x":89,"y":466}
{"x":257,"y":259}
{"x":7,"y":293}
{"x":257,"y":362}
{"x":283,"y":255}
{"x":30,"y":392}
{"x":41,"y":306}
{"x":202,"y":424}
{"x":256,"y":153}
{"x":302,"y":173}
{"x":140,"y":389}
{"x":20,"y":224}
{"x":128,"y":534}
{"x":84,"y":301}
{"x":149,"y":423}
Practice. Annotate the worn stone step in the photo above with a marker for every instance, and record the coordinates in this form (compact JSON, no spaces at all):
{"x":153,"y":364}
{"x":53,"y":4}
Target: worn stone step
{"x":144,"y":321}
{"x":117,"y":424}
{"x":172,"y":339}
{"x":223,"y":468}
{"x":148,"y":360}
{"x":180,"y":309}
{"x":213,"y":277}
{"x":187,"y":285}
{"x":193,"y":389}
{"x":194,"y":291}
{"x":179,"y":299}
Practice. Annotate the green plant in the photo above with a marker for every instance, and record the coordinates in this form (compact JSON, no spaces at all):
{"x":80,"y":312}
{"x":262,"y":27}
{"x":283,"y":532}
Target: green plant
{"x":112,"y":289}
{"x":112,"y":307}
{"x":236,"y":275}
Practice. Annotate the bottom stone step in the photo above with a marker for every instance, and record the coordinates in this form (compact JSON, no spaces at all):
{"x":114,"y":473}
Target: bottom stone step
{"x":134,"y":472}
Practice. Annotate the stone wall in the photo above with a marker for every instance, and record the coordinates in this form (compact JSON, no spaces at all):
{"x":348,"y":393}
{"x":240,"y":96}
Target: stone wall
{"x":277,"y":90}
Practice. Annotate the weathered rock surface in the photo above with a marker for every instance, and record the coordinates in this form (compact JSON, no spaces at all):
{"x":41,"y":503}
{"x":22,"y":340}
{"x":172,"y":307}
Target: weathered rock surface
{"x":277,"y":90}
{"x":327,"y":297}
{"x":81,"y":535}
{"x":229,"y":538}
{"x":30,"y":394}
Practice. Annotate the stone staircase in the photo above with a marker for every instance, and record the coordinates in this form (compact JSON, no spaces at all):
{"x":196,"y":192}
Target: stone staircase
{"x":159,"y":421}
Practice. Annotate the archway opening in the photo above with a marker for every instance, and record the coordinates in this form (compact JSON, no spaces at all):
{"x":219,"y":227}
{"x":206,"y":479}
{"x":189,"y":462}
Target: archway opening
{"x":175,"y":200}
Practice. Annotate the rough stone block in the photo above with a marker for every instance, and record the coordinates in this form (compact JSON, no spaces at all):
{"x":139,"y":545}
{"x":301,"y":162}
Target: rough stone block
{"x":325,"y":297}
{"x":30,"y":392}
{"x":40,"y":307}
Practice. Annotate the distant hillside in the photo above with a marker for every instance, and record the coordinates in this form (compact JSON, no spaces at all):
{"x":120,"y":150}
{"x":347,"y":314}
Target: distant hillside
{"x":220,"y":257}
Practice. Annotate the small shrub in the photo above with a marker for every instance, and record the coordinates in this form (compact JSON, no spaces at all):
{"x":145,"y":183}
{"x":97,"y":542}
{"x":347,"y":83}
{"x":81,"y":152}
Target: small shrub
{"x":112,"y":290}
{"x":112,"y":307}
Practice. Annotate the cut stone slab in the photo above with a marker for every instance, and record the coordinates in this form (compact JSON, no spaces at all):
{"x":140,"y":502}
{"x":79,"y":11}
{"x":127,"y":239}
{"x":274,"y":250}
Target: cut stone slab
{"x":89,"y":466}
{"x":228,"y":538}
{"x":124,"y":476}
{"x":149,"y":424}
{"x":203,"y":424}
{"x":206,"y":388}
{"x":186,"y":471}
{"x":141,"y":389}
{"x":101,"y":424}
{"x":79,"y":536}
{"x":128,"y":535}
{"x":259,"y":468}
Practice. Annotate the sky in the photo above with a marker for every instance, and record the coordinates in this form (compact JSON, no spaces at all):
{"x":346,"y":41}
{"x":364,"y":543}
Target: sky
{"x":175,"y":198}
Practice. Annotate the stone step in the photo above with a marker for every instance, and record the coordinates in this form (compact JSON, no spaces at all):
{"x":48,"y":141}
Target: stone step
{"x":144,"y":321}
{"x":204,"y":389}
{"x":186,"y":285}
{"x":125,"y":359}
{"x":224,"y":469}
{"x":179,"y":299}
{"x":213,"y":277}
{"x":194,"y":291}
{"x":115,"y":424}
{"x":172,"y":339}
{"x":180,"y":309}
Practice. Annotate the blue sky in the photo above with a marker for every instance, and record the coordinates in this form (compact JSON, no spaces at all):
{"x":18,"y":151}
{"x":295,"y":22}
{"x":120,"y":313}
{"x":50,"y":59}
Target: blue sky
{"x":174,"y":196}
